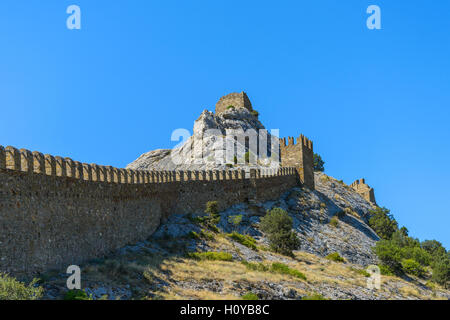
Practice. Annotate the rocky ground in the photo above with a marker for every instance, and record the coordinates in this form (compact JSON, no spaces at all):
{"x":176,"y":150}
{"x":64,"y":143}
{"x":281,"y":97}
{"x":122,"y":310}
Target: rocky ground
{"x":160,"y":268}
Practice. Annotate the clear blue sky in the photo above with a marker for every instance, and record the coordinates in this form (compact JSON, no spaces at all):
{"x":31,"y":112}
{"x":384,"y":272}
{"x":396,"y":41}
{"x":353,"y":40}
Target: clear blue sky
{"x":375,"y":102}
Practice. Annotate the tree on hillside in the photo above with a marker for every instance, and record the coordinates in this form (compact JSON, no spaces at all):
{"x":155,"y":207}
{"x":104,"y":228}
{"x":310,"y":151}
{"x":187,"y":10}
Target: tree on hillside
{"x":383,"y":223}
{"x":277,"y":224}
{"x":318,"y":163}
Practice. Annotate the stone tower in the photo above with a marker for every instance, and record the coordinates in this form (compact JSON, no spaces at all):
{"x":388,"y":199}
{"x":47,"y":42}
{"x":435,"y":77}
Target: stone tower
{"x":301,"y":156}
{"x":237,"y":100}
{"x":364,"y":190}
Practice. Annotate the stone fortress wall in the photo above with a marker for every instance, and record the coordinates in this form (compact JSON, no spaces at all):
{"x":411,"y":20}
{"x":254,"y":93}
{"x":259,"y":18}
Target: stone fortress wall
{"x":55,"y":212}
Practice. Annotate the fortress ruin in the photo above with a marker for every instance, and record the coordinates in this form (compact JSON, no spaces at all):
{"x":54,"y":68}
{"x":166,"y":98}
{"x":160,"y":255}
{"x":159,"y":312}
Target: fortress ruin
{"x":56,"y":212}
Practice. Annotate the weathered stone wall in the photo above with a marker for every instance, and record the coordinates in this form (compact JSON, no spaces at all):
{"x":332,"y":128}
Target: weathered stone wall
{"x":364,"y":190}
{"x":55,"y":212}
{"x":299,"y":155}
{"x":237,"y":100}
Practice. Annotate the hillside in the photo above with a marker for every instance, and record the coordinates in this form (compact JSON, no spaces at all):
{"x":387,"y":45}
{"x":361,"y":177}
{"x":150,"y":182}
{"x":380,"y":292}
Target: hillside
{"x":177,"y":262}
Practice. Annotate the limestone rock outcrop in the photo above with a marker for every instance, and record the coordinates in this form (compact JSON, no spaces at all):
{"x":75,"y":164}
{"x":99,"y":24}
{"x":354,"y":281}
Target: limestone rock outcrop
{"x":206,"y":148}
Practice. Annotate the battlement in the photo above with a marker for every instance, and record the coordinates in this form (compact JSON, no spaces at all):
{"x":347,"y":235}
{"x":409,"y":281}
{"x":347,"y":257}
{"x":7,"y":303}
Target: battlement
{"x":37,"y":163}
{"x":364,"y":190}
{"x":299,"y":154}
{"x":237,"y":100}
{"x":300,"y":140}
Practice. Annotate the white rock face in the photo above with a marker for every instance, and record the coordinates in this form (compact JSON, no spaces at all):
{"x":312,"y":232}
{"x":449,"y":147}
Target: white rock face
{"x":207,"y":149}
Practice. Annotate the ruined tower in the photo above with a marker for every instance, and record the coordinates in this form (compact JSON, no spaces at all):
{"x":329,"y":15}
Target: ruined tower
{"x":364,"y":190}
{"x":237,"y":100}
{"x":301,"y":156}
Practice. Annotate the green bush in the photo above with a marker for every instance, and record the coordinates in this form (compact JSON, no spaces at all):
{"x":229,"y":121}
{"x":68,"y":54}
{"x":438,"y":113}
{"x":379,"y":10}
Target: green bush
{"x":255,"y":113}
{"x":11,"y":289}
{"x":318,"y":163}
{"x":250,"y":296}
{"x":284,"y":269}
{"x":255,"y":266}
{"x":212,"y":208}
{"x":235,"y":220}
{"x":385,"y":270}
{"x":383,"y":223}
{"x":245,"y":240}
{"x":230,"y":107}
{"x":434,"y":248}
{"x":335,"y":257}
{"x":390,"y":255}
{"x":277,"y":224}
{"x":77,"y":295}
{"x":221,"y":256}
{"x":334,"y":222}
{"x":202,"y":235}
{"x":411,"y":266}
{"x":441,"y":271}
{"x":213,"y":217}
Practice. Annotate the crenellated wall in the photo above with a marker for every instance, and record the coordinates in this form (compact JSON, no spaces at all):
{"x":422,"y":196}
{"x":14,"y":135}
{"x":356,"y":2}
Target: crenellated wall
{"x":364,"y":190}
{"x":299,"y":155}
{"x":55,"y":211}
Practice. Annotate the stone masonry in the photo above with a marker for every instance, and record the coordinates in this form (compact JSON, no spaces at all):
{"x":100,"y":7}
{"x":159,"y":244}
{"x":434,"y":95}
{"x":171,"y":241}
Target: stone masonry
{"x":299,"y":155}
{"x":237,"y":100}
{"x":364,"y":190}
{"x":55,"y":212}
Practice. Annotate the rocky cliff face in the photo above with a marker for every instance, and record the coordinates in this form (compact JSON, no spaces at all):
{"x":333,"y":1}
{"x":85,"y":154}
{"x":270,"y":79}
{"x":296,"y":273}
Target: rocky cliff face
{"x":205,"y":149}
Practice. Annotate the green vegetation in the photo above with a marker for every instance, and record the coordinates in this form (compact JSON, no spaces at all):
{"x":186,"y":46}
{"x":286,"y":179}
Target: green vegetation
{"x":411,"y":266}
{"x":335,"y":257}
{"x":361,"y":272}
{"x":11,"y":289}
{"x":245,"y":240}
{"x":255,"y":113}
{"x":220,"y":256}
{"x":277,"y":224}
{"x":235,"y":220}
{"x":334,"y":221}
{"x":255,"y":266}
{"x":203,"y":234}
{"x":318,"y":163}
{"x":400,"y":253}
{"x":315,"y":296}
{"x":284,"y":269}
{"x":250,"y":296}
{"x":230,"y":107}
{"x":383,"y":223}
{"x":441,"y":271}
{"x":77,"y":295}
{"x":213,"y":217}
{"x":276,"y":267}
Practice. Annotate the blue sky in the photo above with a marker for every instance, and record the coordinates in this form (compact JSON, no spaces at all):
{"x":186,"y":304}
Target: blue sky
{"x":375,"y":102}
